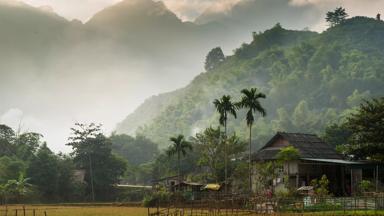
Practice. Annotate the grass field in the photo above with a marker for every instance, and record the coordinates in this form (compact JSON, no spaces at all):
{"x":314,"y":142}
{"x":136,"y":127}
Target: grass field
{"x":75,"y":211}
{"x":128,"y":211}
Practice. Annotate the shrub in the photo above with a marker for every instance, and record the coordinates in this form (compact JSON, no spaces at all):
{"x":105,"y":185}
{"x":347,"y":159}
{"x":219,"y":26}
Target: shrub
{"x":365,"y":186}
{"x":321,"y":186}
{"x":158,"y":197}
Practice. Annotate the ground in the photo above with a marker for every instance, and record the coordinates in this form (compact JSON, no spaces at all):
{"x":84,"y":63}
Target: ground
{"x":76,"y":211}
{"x":126,"y":211}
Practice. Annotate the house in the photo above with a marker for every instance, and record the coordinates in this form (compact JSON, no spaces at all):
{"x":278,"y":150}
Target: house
{"x":317,"y":158}
{"x":167,"y":182}
{"x":78,"y":176}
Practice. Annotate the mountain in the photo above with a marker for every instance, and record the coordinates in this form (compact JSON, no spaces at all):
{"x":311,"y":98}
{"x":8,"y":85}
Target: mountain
{"x":55,"y":72}
{"x":256,"y":15}
{"x":310,"y":80}
{"x":27,"y":31}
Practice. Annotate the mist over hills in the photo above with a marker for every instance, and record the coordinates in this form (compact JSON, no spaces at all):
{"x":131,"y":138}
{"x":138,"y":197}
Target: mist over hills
{"x":310,"y":79}
{"x":56,"y":72}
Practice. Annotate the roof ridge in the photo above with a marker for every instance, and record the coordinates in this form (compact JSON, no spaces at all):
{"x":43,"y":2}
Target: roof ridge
{"x":296,"y":133}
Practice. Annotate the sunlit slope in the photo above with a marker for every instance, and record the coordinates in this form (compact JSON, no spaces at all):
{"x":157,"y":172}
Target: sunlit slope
{"x":310,"y":80}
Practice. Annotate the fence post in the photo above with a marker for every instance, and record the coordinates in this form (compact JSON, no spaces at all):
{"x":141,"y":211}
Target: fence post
{"x":45,"y":213}
{"x":23,"y":210}
{"x":158,"y":208}
{"x":15,"y":212}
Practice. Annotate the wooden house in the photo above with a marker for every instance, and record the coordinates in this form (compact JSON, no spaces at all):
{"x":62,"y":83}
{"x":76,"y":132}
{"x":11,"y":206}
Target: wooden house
{"x":317,"y":158}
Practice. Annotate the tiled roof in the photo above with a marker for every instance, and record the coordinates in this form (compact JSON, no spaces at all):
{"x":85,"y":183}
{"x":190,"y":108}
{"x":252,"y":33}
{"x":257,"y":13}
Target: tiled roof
{"x":309,"y":145}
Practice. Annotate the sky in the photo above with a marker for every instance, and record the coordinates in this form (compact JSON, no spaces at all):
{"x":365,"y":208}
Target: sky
{"x":188,"y":10}
{"x":41,"y":110}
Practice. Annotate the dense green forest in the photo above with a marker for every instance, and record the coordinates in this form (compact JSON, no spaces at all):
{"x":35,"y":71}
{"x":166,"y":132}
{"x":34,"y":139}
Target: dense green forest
{"x":31,"y":172}
{"x":311,"y":80}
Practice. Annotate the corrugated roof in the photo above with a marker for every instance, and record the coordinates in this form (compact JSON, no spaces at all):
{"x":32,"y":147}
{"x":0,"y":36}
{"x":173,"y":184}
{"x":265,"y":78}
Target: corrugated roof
{"x":333,"y":161}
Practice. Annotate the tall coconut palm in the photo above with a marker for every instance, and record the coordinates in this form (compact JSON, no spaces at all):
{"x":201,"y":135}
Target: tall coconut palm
{"x":224,"y":106}
{"x":250,"y":101}
{"x":179,"y":147}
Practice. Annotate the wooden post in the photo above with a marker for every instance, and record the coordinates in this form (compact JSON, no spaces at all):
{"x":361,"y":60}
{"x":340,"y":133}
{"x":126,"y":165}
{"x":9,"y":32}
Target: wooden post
{"x":377,"y":178}
{"x":158,"y":208}
{"x":342,"y":170}
{"x":45,"y":213}
{"x":352,"y":188}
{"x":297,"y":180}
{"x":34,"y":212}
{"x":23,"y":210}
{"x":15,"y":212}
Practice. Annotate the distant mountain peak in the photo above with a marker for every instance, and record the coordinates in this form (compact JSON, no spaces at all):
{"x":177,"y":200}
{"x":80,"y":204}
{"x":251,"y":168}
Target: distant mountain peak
{"x":129,"y":12}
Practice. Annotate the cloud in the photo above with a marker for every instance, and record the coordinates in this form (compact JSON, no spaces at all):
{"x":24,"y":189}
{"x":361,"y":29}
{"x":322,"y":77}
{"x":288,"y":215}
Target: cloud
{"x":16,"y":119}
{"x":74,"y":9}
{"x":85,"y":9}
{"x":12,"y":117}
{"x":190,"y":9}
{"x":353,"y":7}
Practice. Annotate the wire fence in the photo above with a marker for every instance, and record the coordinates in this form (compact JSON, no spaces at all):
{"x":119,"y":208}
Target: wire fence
{"x":240,"y":205}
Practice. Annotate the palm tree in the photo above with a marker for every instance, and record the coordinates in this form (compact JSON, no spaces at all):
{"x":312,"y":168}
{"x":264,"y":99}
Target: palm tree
{"x":223,"y":107}
{"x":250,"y":101}
{"x":179,"y":146}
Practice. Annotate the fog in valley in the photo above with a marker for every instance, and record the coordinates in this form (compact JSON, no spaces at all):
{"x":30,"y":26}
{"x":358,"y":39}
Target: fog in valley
{"x":96,"y":61}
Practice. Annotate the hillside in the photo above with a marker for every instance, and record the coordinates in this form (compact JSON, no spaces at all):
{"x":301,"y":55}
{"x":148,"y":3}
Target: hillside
{"x":310,"y":81}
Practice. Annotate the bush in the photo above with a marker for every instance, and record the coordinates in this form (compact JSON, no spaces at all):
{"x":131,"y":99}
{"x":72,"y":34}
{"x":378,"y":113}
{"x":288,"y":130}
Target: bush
{"x":295,"y":205}
{"x":322,"y":207}
{"x":365,"y":186}
{"x":158,"y":197}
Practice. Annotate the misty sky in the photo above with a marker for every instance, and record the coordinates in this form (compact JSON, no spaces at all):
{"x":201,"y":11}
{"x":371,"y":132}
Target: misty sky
{"x":190,"y":9}
{"x":83,"y":93}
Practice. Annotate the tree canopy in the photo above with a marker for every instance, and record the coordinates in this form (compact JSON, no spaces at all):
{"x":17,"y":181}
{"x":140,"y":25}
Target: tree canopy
{"x":92,"y":151}
{"x":337,"y":16}
{"x":214,"y":58}
{"x":366,"y":126}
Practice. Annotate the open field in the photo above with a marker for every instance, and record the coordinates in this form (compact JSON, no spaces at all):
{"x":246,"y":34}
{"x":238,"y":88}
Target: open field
{"x":75,"y":211}
{"x":133,"y":211}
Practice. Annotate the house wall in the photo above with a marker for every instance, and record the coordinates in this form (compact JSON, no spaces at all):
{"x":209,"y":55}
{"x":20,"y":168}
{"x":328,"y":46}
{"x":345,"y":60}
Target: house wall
{"x":291,"y":167}
{"x":281,"y":142}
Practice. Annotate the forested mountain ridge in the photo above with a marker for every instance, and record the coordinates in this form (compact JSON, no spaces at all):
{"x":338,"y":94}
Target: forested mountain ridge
{"x":310,"y":80}
{"x":123,"y":54}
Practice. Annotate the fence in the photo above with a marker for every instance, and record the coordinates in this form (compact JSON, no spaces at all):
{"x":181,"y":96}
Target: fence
{"x":241,"y":205}
{"x":22,"y":212}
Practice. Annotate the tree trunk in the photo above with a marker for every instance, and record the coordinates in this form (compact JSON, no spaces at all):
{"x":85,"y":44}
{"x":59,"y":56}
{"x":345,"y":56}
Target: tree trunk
{"x":289,"y":174}
{"x":225,"y":157}
{"x":91,"y":177}
{"x":250,"y":159}
{"x":178,"y":169}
